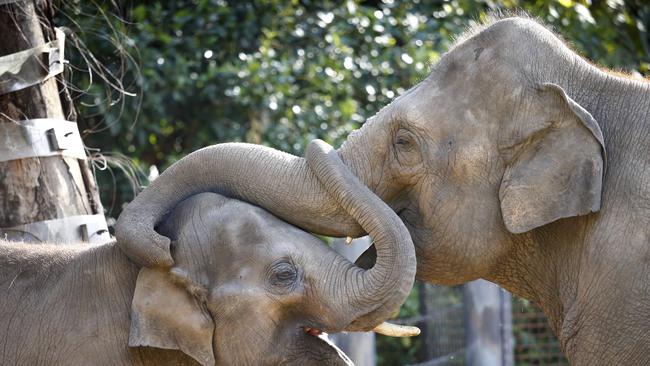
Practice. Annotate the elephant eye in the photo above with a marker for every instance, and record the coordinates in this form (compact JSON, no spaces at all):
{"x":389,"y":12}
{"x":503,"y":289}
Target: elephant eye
{"x":283,"y":275}
{"x":404,"y":141}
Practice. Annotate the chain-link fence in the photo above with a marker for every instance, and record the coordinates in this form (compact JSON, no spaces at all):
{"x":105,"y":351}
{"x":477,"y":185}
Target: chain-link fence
{"x":535,"y":343}
{"x":442,"y":315}
{"x":461,"y":325}
{"x":443,"y":325}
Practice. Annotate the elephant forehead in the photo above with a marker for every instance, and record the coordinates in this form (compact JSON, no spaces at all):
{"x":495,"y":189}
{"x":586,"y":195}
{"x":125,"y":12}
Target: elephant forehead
{"x":236,"y":232}
{"x":234,"y":220}
{"x":238,"y":290}
{"x":250,"y":225}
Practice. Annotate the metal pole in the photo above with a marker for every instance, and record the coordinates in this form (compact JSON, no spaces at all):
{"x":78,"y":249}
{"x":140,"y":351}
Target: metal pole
{"x":360,"y":347}
{"x":488,"y":322}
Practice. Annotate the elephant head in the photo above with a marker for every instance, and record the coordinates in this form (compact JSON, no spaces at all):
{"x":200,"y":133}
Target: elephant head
{"x":482,"y":152}
{"x":247,"y":289}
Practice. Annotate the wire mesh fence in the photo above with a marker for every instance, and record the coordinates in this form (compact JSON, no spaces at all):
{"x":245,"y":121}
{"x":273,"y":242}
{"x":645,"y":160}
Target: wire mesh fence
{"x":443,"y":325}
{"x":449,"y":335}
{"x":535,"y":343}
{"x":441,"y":314}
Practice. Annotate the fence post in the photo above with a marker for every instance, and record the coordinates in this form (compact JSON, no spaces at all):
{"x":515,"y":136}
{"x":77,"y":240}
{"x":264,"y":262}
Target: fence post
{"x":488,"y":322}
{"x":360,"y":347}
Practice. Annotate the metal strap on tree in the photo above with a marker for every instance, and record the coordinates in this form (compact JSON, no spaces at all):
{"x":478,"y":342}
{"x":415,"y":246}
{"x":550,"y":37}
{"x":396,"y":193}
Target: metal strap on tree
{"x":26,"y":68}
{"x":66,"y":230}
{"x":29,"y":144}
{"x":40,"y":137}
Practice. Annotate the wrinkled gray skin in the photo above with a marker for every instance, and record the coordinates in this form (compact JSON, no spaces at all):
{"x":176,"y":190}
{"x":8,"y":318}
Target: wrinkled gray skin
{"x":245,"y":284}
{"x":496,"y":163}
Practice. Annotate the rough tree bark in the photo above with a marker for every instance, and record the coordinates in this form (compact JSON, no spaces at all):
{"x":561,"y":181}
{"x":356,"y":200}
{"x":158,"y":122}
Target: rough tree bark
{"x":45,"y":188}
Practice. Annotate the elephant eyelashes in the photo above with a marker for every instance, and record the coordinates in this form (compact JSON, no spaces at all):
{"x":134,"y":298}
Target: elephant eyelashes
{"x":283,"y":275}
{"x":406,"y":148}
{"x":404,"y":141}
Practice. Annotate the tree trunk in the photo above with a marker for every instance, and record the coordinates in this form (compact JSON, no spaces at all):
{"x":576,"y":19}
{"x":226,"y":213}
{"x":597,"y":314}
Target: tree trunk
{"x":39,"y":188}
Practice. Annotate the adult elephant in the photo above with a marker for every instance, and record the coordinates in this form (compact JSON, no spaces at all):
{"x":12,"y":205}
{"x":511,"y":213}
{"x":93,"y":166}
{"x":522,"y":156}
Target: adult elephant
{"x":497,"y":165}
{"x":246,"y":289}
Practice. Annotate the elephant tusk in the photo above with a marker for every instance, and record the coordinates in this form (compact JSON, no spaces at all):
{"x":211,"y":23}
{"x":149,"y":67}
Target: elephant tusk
{"x":348,"y":240}
{"x":394,"y":330}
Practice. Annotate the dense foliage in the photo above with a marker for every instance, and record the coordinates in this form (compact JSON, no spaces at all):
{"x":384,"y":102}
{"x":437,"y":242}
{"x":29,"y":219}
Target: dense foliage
{"x":283,"y":72}
{"x":169,"y":77}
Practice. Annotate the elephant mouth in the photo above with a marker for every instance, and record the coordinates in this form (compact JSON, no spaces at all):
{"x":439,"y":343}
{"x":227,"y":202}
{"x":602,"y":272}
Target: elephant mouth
{"x":412,"y":219}
{"x":313,"y":331}
{"x":400,"y":212}
{"x":405,"y":214}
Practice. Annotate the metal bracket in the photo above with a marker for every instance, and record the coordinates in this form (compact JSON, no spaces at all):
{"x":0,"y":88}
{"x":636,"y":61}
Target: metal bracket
{"x":66,"y":230}
{"x":40,"y":137}
{"x":25,"y":68}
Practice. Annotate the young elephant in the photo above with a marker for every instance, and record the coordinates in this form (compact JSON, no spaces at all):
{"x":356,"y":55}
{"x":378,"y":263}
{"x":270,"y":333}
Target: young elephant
{"x":246,"y":289}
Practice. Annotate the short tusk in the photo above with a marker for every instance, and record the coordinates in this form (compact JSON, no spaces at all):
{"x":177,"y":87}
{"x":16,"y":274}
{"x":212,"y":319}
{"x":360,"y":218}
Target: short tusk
{"x":348,"y":240}
{"x":394,"y":330}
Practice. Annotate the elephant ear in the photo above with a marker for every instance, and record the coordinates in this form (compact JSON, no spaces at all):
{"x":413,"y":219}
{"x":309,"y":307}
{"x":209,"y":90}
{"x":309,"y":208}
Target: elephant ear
{"x":165,"y":315}
{"x":555,"y":161}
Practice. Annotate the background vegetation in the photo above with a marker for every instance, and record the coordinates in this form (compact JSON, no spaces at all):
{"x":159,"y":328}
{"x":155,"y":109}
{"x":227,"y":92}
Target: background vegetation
{"x":186,"y":74}
{"x":157,"y":79}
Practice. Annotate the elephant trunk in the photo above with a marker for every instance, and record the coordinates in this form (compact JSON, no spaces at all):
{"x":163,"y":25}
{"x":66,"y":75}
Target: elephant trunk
{"x":375,"y":294}
{"x":281,"y":183}
{"x":324,"y":198}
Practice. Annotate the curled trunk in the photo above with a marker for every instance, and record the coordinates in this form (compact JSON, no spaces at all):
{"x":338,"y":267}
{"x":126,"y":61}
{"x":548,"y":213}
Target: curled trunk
{"x":279,"y":182}
{"x":380,"y":290}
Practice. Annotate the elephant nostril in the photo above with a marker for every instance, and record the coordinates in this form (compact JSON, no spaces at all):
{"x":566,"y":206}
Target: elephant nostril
{"x":313,"y":332}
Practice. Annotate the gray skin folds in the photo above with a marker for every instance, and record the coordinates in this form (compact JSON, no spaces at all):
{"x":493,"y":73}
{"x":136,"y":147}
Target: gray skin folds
{"x":515,"y":160}
{"x":244,"y":287}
